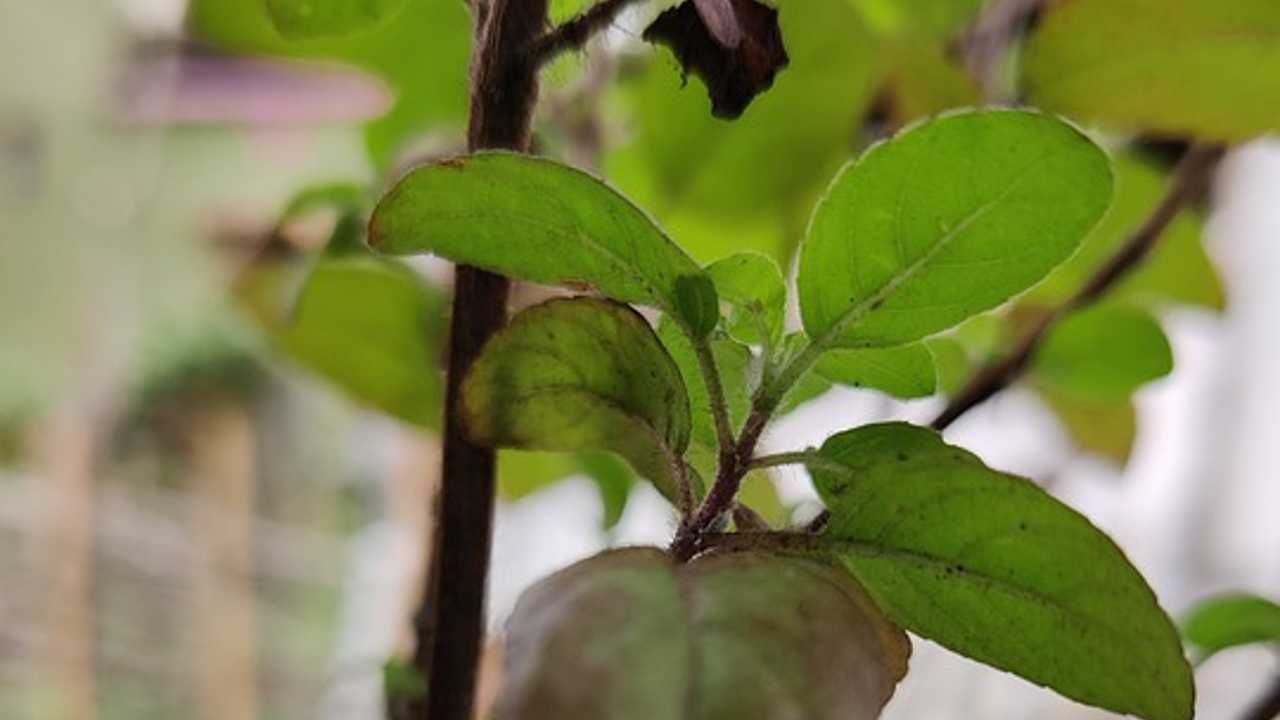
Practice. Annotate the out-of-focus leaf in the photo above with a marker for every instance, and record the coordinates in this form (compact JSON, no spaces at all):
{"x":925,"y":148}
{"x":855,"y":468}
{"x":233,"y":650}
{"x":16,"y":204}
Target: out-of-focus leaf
{"x":994,"y":568}
{"x":1177,"y":271}
{"x":1231,"y":620}
{"x":581,"y":374}
{"x":523,"y":472}
{"x":1104,"y":353}
{"x":735,"y":46}
{"x":922,"y":80}
{"x":921,"y":19}
{"x":613,"y":478}
{"x":630,"y":634}
{"x":905,"y":371}
{"x":948,"y":219}
{"x":753,"y":284}
{"x":402,"y":681}
{"x":724,"y":187}
{"x":329,"y":18}
{"x":340,"y":196}
{"x":1105,"y":427}
{"x":572,"y":229}
{"x":952,"y":362}
{"x":761,"y":495}
{"x":1194,"y":67}
{"x":422,"y":54}
{"x":370,"y":326}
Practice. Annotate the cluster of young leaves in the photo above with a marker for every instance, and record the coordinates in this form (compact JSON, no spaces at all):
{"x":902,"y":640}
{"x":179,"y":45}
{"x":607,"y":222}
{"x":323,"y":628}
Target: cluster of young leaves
{"x":943,"y":222}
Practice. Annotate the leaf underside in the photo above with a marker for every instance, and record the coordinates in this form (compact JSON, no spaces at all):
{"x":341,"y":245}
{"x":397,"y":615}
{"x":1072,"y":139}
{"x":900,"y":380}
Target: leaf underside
{"x":630,"y":634}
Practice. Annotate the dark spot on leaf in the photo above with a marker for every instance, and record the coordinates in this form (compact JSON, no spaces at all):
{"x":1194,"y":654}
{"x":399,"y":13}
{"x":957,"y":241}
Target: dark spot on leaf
{"x":876,"y":305}
{"x":902,"y":457}
{"x":453,"y":163}
{"x":735,"y":46}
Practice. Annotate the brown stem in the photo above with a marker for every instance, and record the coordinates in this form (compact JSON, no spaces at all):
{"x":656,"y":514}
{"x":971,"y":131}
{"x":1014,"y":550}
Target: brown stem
{"x":1267,"y":706}
{"x":734,"y":464}
{"x":1188,"y":180}
{"x":450,"y":624}
{"x":574,"y":34}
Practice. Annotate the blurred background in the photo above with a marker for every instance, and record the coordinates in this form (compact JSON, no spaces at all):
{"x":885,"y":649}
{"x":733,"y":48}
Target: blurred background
{"x":209,"y":509}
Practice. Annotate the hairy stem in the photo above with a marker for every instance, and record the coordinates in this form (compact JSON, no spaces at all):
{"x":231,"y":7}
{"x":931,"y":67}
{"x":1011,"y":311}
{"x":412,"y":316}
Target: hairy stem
{"x":715,"y":393}
{"x":574,"y":34}
{"x":1188,"y":180}
{"x":450,"y":623}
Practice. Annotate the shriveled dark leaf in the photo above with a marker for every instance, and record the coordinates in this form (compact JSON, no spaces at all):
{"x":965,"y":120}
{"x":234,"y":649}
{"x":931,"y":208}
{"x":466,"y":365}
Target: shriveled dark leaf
{"x":735,"y":46}
{"x":630,"y":634}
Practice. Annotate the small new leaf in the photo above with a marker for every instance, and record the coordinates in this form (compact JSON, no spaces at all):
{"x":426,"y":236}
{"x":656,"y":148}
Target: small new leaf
{"x":581,"y":374}
{"x":544,"y":222}
{"x":948,"y":219}
{"x":753,"y":285}
{"x":630,"y":634}
{"x":1231,"y":620}
{"x":992,"y":567}
{"x":735,"y":46}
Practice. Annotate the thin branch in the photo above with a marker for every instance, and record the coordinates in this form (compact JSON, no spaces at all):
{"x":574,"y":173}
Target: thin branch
{"x":573,"y":34}
{"x":989,"y":40}
{"x":1267,"y":706}
{"x":1188,"y":179}
{"x":715,"y":393}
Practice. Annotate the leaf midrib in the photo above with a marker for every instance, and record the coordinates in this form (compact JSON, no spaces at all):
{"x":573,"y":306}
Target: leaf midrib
{"x":859,"y":312}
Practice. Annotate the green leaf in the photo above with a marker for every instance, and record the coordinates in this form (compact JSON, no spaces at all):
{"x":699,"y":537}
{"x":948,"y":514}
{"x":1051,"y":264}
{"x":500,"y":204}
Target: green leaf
{"x":581,"y":374}
{"x":401,"y":681}
{"x":631,"y":634}
{"x":370,"y":326}
{"x":341,"y":196}
{"x":904,"y":372}
{"x":924,"y":80}
{"x":522,"y":473}
{"x":1194,"y":67}
{"x":1178,"y":270}
{"x":613,"y":479}
{"x":992,"y":567}
{"x":948,"y":219}
{"x":327,"y":18}
{"x":917,"y":18}
{"x":1231,"y":620}
{"x":1104,"y":353}
{"x":1105,"y":427}
{"x":544,"y":222}
{"x":753,"y":285}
